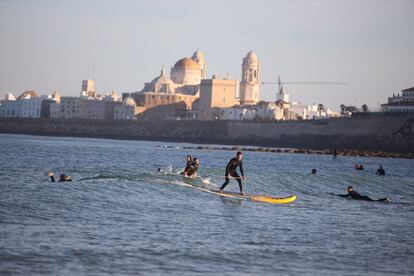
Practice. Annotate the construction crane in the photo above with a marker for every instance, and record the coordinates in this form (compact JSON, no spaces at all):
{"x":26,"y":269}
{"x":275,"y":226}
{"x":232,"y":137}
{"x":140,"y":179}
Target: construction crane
{"x":280,"y":83}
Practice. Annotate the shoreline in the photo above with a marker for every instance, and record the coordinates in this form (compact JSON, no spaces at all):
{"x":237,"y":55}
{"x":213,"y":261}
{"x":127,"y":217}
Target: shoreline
{"x":389,"y":137}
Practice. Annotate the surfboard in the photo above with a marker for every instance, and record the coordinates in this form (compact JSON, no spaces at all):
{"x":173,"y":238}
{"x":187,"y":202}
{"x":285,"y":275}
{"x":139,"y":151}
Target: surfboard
{"x":258,"y":198}
{"x":251,"y":197}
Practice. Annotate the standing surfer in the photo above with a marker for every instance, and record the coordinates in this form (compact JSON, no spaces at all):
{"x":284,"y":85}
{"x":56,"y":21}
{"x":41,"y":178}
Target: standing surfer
{"x":231,"y":168}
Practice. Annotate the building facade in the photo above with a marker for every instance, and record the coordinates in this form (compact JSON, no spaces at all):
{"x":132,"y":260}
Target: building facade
{"x":69,"y":107}
{"x":400,"y":103}
{"x":88,"y":88}
{"x":216,"y":94}
{"x":27,"y":105}
{"x":125,"y":110}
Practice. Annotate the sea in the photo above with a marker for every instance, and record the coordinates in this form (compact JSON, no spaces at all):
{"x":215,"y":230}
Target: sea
{"x":121,"y":216}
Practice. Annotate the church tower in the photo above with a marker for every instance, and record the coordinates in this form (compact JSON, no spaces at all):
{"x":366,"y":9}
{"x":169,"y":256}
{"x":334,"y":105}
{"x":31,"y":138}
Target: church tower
{"x":198,"y":57}
{"x":249,"y":85}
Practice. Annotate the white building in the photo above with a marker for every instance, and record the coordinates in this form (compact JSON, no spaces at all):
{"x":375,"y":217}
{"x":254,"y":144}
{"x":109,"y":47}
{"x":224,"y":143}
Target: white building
{"x":113,"y":97}
{"x":237,"y":113}
{"x":9,"y":97}
{"x":8,"y":109}
{"x":126,"y":110}
{"x":69,"y":107}
{"x":27,"y":105}
{"x":56,"y":111}
{"x":261,"y":111}
{"x":403,"y":103}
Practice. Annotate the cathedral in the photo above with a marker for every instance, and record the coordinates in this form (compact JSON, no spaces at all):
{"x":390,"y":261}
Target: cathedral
{"x":185,"y":78}
{"x":183,"y":85}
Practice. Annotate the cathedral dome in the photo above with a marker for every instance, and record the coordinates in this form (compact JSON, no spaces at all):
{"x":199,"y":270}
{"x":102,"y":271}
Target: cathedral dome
{"x":186,"y":64}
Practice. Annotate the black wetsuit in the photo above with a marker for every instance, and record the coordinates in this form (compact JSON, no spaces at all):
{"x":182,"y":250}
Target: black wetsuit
{"x":381,"y":172}
{"x":192,"y":169}
{"x":356,"y":195}
{"x":231,"y":171}
{"x":187,"y":166}
{"x":52,"y":177}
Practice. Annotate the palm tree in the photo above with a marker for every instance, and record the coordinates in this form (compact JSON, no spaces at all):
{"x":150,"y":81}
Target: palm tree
{"x":364,"y":108}
{"x":343,"y":107}
{"x":321,"y":108}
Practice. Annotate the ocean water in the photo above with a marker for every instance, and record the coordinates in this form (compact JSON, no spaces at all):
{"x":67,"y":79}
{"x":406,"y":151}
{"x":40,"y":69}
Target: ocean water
{"x":119,"y":216}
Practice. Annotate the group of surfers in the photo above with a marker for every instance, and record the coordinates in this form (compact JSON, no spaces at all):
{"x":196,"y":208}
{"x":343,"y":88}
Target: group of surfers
{"x":360,"y":167}
{"x":192,"y":166}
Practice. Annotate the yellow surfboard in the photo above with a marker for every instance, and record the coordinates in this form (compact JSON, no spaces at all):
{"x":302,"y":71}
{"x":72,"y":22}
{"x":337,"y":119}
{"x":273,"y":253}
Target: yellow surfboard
{"x":258,"y":198}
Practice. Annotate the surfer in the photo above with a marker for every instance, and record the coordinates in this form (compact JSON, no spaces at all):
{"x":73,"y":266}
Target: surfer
{"x":188,"y":164}
{"x":62,"y":178}
{"x":359,"y":167}
{"x":334,"y":154}
{"x":355,"y":195}
{"x":231,"y":167}
{"x":380,"y":170}
{"x":313,"y":171}
{"x":192,"y":169}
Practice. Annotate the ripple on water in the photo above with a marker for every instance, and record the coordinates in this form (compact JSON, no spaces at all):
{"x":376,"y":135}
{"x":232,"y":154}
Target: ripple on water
{"x":121,"y":217}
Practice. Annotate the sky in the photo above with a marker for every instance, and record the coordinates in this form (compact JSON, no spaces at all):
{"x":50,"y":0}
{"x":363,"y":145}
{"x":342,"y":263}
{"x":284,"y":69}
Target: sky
{"x":53,"y":45}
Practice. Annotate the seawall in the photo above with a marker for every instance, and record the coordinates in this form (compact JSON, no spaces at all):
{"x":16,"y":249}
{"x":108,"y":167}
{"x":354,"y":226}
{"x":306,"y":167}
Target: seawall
{"x":388,"y":134}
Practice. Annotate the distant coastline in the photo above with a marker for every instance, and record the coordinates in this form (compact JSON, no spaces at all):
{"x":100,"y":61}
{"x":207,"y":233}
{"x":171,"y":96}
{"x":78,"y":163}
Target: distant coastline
{"x":380,"y":136}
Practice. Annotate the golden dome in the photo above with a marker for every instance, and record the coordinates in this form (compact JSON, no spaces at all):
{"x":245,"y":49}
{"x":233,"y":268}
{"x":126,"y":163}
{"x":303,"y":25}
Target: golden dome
{"x":186,"y":64}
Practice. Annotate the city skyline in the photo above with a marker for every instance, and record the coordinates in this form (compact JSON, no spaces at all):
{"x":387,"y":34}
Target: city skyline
{"x":52,"y":46}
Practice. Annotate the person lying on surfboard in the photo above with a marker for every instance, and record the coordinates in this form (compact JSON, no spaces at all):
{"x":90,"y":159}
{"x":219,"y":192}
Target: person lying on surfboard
{"x":62,"y":178}
{"x":231,"y":168}
{"x":353,"y":194}
{"x":192,"y":169}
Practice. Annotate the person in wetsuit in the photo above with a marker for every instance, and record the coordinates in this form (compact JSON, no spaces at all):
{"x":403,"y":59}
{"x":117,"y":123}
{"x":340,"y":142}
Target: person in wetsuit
{"x":334,"y":154}
{"x":231,"y":168}
{"x":192,"y":169}
{"x":380,"y":171}
{"x":356,"y":195}
{"x":359,"y":167}
{"x":188,"y":164}
{"x":62,"y":178}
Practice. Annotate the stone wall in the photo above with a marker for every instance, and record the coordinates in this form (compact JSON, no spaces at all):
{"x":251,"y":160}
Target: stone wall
{"x":394,"y":134}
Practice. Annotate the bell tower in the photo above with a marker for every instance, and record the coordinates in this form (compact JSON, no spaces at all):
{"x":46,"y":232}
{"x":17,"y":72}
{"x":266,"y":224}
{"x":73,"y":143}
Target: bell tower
{"x":249,"y":85}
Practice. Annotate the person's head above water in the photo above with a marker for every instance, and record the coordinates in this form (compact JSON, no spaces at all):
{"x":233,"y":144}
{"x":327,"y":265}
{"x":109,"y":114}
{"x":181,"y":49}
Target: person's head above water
{"x":189,"y":158}
{"x":313,"y":171}
{"x":196,"y":161}
{"x":239,"y":155}
{"x":349,"y":189}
